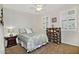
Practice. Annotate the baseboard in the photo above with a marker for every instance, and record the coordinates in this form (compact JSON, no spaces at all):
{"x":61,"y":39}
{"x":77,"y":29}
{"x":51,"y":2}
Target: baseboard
{"x":71,"y":44}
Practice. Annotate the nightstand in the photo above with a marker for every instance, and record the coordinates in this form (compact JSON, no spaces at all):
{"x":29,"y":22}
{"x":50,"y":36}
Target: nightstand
{"x":11,"y":41}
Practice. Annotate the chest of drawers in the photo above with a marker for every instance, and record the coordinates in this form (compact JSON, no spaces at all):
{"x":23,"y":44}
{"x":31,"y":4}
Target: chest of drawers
{"x":54,"y":35}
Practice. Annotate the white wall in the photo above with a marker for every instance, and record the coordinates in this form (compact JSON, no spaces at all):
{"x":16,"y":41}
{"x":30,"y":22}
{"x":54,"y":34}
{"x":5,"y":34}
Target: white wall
{"x":2,"y":50}
{"x":72,"y":37}
{"x":20,"y":19}
{"x":69,"y":37}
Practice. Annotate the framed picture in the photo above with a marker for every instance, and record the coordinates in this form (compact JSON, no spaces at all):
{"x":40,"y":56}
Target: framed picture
{"x":54,"y":19}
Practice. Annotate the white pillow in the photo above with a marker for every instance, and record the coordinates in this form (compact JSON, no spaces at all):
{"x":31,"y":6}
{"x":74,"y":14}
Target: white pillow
{"x":28,"y":30}
{"x":22,"y":30}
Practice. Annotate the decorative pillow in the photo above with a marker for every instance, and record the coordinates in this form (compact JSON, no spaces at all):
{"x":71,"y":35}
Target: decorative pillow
{"x":22,"y":30}
{"x":28,"y":30}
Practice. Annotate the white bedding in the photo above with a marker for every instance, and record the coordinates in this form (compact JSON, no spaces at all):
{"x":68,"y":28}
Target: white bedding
{"x":32,"y":41}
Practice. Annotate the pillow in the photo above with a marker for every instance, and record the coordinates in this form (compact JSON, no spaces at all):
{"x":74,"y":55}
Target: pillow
{"x":28,"y":30}
{"x":22,"y":30}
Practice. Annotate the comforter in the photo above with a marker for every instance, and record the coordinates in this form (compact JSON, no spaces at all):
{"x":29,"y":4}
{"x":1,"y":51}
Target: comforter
{"x":32,"y":41}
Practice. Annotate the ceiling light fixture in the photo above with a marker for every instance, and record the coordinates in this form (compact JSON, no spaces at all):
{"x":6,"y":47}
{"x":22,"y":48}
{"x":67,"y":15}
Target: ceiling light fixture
{"x":39,"y":7}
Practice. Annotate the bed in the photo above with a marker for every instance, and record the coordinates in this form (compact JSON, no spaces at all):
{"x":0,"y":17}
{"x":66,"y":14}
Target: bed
{"x":31,"y":41}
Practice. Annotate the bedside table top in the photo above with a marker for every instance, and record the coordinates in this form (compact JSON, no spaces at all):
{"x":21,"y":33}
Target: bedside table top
{"x":11,"y":37}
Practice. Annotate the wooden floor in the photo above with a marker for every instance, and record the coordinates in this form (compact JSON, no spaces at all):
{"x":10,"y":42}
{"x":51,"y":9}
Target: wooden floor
{"x":49,"y":48}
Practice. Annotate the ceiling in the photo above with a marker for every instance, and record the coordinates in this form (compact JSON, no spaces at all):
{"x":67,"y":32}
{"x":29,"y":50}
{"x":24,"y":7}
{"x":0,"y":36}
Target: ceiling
{"x":47,"y":8}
